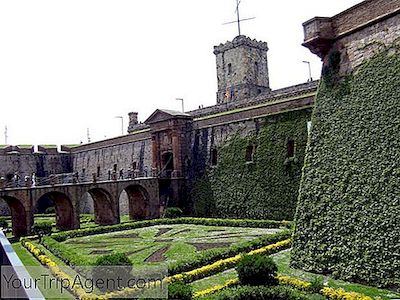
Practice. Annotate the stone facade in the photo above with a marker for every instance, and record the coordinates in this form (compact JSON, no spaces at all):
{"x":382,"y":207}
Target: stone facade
{"x":242,"y":69}
{"x":173,"y":143}
{"x":357,"y":33}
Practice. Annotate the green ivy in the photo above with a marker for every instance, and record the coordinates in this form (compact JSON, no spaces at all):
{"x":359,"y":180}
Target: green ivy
{"x":347,"y":220}
{"x":266,"y":187}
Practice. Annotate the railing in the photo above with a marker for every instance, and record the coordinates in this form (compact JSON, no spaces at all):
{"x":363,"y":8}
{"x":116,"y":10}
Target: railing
{"x":12,"y":265}
{"x":73,"y":178}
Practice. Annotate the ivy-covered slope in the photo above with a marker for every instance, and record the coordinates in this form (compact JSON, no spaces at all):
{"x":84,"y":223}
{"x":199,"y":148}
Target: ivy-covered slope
{"x":268,"y":186}
{"x":348,"y":214}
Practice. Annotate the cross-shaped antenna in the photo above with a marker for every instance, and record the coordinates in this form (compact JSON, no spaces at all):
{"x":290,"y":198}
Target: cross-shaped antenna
{"x":238,"y":17}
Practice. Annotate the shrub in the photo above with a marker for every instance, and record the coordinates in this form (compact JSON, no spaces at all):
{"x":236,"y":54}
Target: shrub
{"x":41,"y":229}
{"x":179,"y":291}
{"x":262,"y":292}
{"x":116,"y":266}
{"x":3,"y":223}
{"x":257,"y":269}
{"x":173,"y":212}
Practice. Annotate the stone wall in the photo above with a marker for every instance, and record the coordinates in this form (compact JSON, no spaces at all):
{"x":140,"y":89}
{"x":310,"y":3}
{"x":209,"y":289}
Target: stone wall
{"x":356,"y":30}
{"x":128,"y":152}
{"x":348,"y":206}
{"x":362,"y":45}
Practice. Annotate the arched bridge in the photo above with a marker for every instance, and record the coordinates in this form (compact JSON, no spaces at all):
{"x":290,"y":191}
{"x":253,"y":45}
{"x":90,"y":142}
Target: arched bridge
{"x":142,"y":193}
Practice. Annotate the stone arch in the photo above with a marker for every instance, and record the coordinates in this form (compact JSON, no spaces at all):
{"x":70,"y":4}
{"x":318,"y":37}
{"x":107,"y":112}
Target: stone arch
{"x":64,"y":209}
{"x":20,"y":226}
{"x":104,"y":209}
{"x":138,"y":200}
{"x":43,"y":204}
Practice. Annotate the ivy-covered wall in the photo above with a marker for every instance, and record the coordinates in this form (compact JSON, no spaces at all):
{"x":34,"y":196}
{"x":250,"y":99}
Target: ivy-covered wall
{"x":267,"y":186}
{"x":348,"y":215}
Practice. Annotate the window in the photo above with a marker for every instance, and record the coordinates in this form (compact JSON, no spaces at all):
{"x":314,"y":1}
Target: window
{"x":249,"y":153}
{"x":214,"y":157}
{"x":98,"y":171}
{"x":290,"y":148}
{"x":229,"y":69}
{"x":256,"y":67}
{"x":134,"y":166}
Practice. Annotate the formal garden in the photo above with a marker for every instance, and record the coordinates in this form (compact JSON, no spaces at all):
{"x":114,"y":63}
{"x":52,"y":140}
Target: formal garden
{"x":205,"y":258}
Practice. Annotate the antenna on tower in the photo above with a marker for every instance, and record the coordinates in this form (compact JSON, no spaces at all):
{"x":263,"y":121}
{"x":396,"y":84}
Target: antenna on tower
{"x":238,"y":20}
{"x":5,"y":135}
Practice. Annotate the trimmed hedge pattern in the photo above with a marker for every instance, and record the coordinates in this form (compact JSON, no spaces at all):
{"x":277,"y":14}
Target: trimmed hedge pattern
{"x":62,"y":236}
{"x":266,"y":187}
{"x":72,"y":258}
{"x":349,"y":204}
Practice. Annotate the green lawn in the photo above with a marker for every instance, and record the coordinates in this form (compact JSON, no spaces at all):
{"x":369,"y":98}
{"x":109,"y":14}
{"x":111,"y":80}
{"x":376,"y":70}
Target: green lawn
{"x":282,"y":260}
{"x":163,"y":243}
{"x":29,"y":261}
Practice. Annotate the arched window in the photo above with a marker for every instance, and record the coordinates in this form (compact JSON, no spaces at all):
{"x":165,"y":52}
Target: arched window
{"x":229,"y":69}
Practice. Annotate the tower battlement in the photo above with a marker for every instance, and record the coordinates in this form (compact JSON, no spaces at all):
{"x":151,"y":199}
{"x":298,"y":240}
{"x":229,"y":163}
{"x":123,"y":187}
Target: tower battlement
{"x":241,"y":40}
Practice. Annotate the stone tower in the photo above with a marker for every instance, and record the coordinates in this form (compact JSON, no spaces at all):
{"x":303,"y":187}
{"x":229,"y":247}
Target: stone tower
{"x":242,"y":69}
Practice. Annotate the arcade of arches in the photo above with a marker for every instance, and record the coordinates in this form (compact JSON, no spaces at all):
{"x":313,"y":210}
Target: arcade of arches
{"x":67,"y":204}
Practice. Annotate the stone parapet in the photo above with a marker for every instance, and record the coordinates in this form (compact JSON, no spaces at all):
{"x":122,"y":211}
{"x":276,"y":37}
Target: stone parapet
{"x":320,"y":33}
{"x":288,"y":92}
{"x":240,"y":40}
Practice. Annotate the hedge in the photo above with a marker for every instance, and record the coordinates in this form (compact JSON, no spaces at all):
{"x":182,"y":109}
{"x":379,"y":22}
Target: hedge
{"x":73,"y":258}
{"x":226,"y":263}
{"x":262,"y":292}
{"x":266,"y":187}
{"x":347,"y":221}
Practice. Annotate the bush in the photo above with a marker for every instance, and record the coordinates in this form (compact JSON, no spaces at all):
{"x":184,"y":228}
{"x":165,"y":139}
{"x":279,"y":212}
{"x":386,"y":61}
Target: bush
{"x":3,"y":223}
{"x":257,"y":269}
{"x":173,"y":212}
{"x":179,"y":291}
{"x":262,"y":292}
{"x":116,"y":266}
{"x":41,"y":229}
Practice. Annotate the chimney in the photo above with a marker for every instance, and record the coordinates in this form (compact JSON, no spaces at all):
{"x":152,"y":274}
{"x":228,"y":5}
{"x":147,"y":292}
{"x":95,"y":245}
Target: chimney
{"x":133,"y":120}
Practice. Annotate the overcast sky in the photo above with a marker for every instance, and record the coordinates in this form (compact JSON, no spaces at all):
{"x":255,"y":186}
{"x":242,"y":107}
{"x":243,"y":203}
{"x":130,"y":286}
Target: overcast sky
{"x":66,"y":66}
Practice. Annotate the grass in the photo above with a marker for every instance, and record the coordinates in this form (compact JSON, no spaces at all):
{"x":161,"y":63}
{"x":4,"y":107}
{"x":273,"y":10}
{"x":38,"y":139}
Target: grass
{"x":38,"y":271}
{"x":180,"y":241}
{"x":282,"y":260}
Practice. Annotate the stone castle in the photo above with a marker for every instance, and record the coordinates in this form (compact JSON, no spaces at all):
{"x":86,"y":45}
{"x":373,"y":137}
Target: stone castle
{"x":325,"y":153}
{"x":242,"y":157}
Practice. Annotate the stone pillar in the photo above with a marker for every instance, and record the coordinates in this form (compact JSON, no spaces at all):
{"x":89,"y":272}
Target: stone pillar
{"x":176,"y":150}
{"x":154,"y":151}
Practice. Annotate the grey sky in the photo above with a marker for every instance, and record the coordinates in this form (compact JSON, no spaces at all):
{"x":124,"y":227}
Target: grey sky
{"x":66,"y":66}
